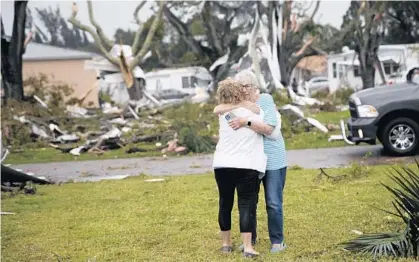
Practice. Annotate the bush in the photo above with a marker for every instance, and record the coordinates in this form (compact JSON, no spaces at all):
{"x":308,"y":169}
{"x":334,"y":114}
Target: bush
{"x":342,"y":95}
{"x":195,"y":125}
{"x":18,"y":135}
{"x":281,"y":98}
{"x":54,"y":95}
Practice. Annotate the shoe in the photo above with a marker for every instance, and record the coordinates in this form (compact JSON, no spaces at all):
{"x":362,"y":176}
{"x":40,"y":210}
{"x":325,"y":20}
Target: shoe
{"x":250,"y":255}
{"x":278,"y":248}
{"x":241,"y":247}
{"x":226,"y":249}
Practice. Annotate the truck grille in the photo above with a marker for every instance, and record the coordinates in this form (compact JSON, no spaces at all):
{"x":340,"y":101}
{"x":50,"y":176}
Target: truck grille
{"x":352,"y":109}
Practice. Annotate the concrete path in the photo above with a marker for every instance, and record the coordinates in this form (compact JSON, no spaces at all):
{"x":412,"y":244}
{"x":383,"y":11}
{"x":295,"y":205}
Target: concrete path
{"x":307,"y":158}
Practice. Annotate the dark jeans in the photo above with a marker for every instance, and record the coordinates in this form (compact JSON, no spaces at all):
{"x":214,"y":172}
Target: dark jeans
{"x":246,"y":182}
{"x":274,"y":183}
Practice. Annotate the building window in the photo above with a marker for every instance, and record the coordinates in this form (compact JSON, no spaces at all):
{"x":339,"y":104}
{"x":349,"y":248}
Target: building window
{"x":189,"y":82}
{"x":185,"y":82}
{"x":390,"y":68}
{"x":194,"y":81}
{"x":387,"y":69}
{"x":357,"y":71}
{"x":335,"y":73}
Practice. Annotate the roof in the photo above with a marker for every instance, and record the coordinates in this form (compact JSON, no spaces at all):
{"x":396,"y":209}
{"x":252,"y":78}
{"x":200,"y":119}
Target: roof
{"x":168,"y":71}
{"x":381,"y":48}
{"x":40,"y":52}
{"x":316,"y":63}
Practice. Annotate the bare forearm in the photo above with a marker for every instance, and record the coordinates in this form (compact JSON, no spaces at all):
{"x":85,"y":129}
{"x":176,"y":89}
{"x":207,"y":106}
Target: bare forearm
{"x":261,"y":128}
{"x":224,"y":108}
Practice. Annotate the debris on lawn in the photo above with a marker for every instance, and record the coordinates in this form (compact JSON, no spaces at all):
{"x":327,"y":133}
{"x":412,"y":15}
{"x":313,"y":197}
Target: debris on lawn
{"x":356,"y":232}
{"x":100,"y":178}
{"x":155,"y":180}
{"x":335,"y":138}
{"x":176,"y":123}
{"x":7,"y":213}
{"x":10,"y":175}
{"x":330,"y":178}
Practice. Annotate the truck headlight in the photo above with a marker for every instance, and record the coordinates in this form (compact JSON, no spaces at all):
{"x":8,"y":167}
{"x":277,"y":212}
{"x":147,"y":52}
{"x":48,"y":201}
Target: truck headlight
{"x":367,"y":111}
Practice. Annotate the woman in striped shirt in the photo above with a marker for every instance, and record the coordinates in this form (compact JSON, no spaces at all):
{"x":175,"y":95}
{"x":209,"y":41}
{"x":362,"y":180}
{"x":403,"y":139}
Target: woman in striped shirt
{"x":274,"y":179}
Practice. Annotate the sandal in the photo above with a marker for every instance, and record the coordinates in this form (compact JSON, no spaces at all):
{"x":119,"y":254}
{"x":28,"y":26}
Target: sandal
{"x":226,"y":249}
{"x":250,"y":255}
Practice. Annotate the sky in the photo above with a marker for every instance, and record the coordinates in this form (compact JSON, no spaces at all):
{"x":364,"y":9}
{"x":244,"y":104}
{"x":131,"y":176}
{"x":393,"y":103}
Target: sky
{"x":119,"y":14}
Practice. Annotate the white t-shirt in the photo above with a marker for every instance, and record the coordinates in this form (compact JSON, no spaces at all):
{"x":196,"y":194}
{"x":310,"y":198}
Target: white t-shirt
{"x":241,"y":148}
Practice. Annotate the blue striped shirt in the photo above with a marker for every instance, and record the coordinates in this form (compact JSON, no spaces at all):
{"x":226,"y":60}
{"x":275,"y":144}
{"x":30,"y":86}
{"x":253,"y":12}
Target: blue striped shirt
{"x":274,"y":149}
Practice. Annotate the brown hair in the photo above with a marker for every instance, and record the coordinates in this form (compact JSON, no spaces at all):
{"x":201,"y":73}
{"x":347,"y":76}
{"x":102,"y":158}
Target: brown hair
{"x":230,"y":91}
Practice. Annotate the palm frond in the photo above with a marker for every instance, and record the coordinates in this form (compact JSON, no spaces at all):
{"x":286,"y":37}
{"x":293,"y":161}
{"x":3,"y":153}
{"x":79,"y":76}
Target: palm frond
{"x":382,"y":244}
{"x":406,"y":204}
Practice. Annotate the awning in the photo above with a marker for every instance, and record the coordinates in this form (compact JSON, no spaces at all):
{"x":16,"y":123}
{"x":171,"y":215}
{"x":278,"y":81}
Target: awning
{"x":349,"y":62}
{"x":393,"y":59}
{"x":387,"y":59}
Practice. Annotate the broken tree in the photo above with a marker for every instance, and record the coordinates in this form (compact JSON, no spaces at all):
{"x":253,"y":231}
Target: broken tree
{"x":364,"y":28}
{"x":139,"y":50}
{"x":222,"y":23}
{"x":292,"y":33}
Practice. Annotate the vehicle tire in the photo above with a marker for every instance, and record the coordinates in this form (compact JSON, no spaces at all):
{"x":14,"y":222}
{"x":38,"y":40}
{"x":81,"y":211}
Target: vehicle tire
{"x":401,"y":136}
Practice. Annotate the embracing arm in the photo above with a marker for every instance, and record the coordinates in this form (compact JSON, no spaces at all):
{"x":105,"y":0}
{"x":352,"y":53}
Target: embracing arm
{"x":224,"y":108}
{"x":257,"y":126}
{"x":265,"y":127}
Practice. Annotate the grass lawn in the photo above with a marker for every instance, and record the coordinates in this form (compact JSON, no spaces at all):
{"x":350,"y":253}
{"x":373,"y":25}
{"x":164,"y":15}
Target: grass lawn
{"x":315,"y":139}
{"x":176,"y":220}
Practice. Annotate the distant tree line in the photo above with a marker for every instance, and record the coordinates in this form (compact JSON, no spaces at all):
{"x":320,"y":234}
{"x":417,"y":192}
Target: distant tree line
{"x":184,"y":33}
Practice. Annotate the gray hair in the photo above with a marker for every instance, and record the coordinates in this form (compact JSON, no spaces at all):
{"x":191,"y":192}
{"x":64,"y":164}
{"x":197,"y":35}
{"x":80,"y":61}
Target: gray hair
{"x":247,"y":77}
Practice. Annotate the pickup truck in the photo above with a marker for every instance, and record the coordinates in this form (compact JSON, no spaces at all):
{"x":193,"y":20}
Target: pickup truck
{"x":389,"y":114}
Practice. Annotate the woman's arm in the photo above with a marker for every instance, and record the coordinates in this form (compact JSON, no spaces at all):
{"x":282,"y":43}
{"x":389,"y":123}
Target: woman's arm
{"x":257,"y":126}
{"x":270,"y":118}
{"x":224,"y":108}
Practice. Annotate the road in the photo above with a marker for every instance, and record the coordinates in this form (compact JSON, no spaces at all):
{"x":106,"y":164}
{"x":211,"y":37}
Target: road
{"x":158,"y":166}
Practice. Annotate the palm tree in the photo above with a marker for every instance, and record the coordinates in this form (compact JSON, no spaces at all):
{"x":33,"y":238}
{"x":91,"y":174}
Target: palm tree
{"x":406,"y":204}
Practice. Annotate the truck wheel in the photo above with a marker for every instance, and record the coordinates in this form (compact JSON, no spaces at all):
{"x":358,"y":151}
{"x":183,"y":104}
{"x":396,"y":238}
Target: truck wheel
{"x":400,"y":136}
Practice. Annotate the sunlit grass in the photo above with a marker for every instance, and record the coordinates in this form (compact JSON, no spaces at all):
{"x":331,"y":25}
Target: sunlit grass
{"x":176,"y":220}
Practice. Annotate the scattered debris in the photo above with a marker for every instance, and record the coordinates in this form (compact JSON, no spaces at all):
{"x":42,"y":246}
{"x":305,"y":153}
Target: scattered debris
{"x":173,"y":147}
{"x":40,"y":101}
{"x":100,"y":178}
{"x":328,"y":177}
{"x":317,"y":124}
{"x":7,"y":213}
{"x":135,"y":150}
{"x":356,"y":232}
{"x":77,"y":111}
{"x":10,"y":175}
{"x":335,"y":138}
{"x":155,"y":180}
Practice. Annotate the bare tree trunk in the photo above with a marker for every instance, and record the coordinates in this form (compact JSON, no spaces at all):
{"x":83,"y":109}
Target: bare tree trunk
{"x":380,"y":69}
{"x":12,"y":52}
{"x":136,"y":91}
{"x":368,"y":76}
{"x":366,"y":62}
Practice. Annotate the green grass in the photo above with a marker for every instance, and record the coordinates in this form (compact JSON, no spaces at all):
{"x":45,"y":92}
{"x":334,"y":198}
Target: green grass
{"x":332,"y":117}
{"x":316,"y":138}
{"x":176,"y":220}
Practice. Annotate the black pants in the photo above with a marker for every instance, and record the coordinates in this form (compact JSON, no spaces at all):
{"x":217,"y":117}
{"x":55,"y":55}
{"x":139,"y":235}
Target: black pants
{"x":247,"y":182}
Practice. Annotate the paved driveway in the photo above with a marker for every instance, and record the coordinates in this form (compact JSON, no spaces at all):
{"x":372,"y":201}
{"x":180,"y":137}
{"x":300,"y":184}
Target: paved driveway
{"x":307,"y":158}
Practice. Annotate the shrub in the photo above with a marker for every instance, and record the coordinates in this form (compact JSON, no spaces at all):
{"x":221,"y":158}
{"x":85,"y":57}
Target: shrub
{"x":406,"y":204}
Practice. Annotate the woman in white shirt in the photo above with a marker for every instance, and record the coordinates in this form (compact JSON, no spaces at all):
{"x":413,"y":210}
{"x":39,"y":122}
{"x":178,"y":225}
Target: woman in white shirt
{"x":238,"y":161}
